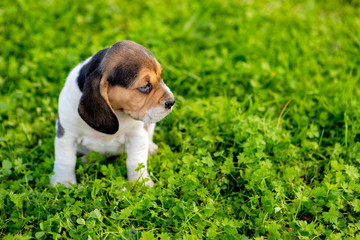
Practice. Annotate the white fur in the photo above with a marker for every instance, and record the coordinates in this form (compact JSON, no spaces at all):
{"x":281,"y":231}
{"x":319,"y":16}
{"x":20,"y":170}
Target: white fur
{"x":131,"y":137}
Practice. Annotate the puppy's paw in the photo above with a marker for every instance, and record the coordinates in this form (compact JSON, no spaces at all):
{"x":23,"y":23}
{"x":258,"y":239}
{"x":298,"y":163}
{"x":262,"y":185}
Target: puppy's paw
{"x":152,"y":148}
{"x":143,"y":180}
{"x":63,"y":180}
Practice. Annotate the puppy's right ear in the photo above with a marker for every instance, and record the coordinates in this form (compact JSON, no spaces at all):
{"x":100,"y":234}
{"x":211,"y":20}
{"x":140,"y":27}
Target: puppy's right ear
{"x":94,"y":107}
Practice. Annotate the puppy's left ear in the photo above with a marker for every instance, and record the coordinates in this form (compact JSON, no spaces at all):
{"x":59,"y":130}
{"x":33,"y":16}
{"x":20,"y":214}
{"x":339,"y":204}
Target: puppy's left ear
{"x":94,"y":107}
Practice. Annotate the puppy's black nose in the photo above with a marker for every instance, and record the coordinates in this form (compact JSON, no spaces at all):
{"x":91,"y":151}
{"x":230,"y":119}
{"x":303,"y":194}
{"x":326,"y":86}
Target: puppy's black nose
{"x":169,"y":104}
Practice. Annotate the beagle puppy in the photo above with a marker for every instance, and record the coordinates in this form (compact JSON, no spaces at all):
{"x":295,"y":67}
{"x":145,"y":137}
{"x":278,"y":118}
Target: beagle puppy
{"x":110,"y":104}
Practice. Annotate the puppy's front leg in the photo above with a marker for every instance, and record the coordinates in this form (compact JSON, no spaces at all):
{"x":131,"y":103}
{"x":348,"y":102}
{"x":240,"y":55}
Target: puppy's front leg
{"x":137,"y":152}
{"x":65,"y":160}
{"x":150,"y":128}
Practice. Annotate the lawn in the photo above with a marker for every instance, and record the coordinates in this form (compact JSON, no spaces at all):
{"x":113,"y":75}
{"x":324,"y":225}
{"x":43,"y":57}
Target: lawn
{"x":229,"y":164}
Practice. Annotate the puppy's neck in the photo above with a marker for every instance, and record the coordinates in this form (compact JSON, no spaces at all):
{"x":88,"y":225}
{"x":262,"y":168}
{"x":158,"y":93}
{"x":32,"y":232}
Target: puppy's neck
{"x":122,"y":116}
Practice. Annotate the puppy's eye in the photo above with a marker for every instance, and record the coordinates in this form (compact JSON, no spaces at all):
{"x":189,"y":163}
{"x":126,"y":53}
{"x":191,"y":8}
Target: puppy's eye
{"x":145,"y":89}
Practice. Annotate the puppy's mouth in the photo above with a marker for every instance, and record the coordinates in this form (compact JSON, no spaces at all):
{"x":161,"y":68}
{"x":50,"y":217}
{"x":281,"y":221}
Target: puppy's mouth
{"x":156,"y":114}
{"x":152,"y":115}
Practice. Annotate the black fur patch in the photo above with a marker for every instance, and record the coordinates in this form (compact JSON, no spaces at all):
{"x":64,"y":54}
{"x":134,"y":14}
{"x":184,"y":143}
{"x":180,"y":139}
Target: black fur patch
{"x":124,"y":74}
{"x":60,"y":130}
{"x":90,"y":67}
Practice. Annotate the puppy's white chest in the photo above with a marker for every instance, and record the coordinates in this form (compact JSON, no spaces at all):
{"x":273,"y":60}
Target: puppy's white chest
{"x":105,"y":146}
{"x":93,"y":141}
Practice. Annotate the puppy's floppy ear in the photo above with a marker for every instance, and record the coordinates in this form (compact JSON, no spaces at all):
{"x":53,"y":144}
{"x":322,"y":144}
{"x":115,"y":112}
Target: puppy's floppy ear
{"x":94,"y":107}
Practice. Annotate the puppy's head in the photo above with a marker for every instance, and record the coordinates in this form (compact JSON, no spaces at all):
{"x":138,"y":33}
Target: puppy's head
{"x":124,"y":77}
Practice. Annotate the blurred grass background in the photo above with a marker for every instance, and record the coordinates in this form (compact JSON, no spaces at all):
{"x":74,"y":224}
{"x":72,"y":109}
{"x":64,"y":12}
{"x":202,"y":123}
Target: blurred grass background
{"x":269,"y":50}
{"x":227,"y":62}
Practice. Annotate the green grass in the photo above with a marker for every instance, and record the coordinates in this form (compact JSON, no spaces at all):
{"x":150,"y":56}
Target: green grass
{"x":223,"y":170}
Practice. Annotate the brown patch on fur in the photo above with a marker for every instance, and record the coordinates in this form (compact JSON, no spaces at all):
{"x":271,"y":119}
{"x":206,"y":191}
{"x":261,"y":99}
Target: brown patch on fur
{"x":104,"y":84}
{"x":135,"y":103}
{"x":158,"y":69}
